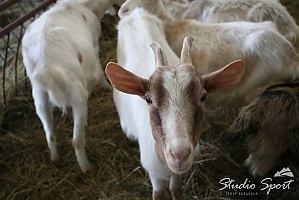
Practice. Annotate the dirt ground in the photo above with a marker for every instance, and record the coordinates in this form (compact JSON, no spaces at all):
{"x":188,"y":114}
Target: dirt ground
{"x":27,"y":173}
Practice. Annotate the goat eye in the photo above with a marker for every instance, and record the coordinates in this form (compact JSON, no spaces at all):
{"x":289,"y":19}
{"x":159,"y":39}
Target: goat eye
{"x":203,"y":97}
{"x":148,"y":100}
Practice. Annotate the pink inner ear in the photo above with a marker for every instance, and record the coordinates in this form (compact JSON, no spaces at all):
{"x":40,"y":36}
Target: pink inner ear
{"x":225,"y":77}
{"x":124,"y":80}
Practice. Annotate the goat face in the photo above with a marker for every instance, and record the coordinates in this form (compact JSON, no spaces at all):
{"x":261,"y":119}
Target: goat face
{"x":175,"y":97}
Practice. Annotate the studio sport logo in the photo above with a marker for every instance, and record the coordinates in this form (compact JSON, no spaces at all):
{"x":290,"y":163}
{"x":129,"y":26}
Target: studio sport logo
{"x":283,"y":180}
{"x":268,"y":185}
{"x":284,"y":172}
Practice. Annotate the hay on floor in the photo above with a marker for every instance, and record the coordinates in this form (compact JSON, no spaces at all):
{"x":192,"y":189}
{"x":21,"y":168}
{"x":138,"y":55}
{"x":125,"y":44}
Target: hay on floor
{"x":27,"y":173}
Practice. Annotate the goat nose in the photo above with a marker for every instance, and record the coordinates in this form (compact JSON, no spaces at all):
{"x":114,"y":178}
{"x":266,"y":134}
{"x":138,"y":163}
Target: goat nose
{"x":180,"y":155}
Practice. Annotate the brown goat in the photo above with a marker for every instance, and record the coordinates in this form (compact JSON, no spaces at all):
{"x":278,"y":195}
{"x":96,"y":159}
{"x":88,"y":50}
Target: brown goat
{"x":270,"y":125}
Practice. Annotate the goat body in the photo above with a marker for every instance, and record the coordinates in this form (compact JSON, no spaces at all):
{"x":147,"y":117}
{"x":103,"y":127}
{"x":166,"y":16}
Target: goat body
{"x":133,"y":110}
{"x":215,"y":11}
{"x":60,"y":53}
{"x":166,"y":113}
{"x":270,"y":126}
{"x":267,"y":55}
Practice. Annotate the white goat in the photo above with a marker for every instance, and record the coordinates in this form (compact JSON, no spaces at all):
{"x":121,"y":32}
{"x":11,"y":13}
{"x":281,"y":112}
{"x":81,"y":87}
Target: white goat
{"x":167,"y":119}
{"x":215,"y":11}
{"x":60,"y":53}
{"x":268,"y":56}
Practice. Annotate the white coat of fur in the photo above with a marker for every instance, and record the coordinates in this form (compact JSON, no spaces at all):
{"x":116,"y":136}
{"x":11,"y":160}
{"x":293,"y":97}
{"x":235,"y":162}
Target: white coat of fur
{"x":175,"y":8}
{"x":134,"y":39}
{"x":60,"y":53}
{"x":268,"y":56}
{"x":215,"y":11}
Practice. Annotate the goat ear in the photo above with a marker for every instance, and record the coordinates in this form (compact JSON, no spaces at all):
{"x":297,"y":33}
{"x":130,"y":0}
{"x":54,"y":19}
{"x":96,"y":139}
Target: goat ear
{"x":125,"y":81}
{"x":225,"y":77}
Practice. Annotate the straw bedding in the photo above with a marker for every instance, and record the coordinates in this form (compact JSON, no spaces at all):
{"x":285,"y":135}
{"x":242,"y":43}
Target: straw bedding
{"x":27,"y":173}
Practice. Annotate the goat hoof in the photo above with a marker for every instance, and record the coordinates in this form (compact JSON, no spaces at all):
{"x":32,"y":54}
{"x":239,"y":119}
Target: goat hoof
{"x":57,"y":161}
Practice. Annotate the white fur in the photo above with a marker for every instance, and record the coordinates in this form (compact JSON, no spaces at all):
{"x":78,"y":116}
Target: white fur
{"x":176,"y":9}
{"x":60,"y":53}
{"x":134,"y":39}
{"x":268,"y":56}
{"x":215,"y":11}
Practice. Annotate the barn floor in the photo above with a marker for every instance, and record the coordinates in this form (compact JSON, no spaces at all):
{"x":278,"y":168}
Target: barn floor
{"x":27,"y":173}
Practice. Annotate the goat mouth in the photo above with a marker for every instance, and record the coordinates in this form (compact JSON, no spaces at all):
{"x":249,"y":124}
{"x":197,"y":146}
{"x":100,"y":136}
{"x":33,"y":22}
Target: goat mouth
{"x":179,"y":168}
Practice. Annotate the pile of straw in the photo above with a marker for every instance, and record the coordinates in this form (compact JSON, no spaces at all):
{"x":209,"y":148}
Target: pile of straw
{"x":27,"y":173}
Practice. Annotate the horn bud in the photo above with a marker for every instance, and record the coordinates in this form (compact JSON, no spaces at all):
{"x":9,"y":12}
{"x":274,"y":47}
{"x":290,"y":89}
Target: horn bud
{"x":160,"y":57}
{"x":186,"y":57}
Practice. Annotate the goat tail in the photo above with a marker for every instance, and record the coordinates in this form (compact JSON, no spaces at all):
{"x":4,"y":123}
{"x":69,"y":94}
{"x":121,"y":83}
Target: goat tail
{"x":62,"y":89}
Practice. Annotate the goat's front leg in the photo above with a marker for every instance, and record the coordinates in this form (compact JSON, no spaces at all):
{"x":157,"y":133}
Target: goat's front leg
{"x":44,"y":112}
{"x":263,"y":158}
{"x":158,"y":187}
{"x":175,"y":186}
{"x":80,"y":121}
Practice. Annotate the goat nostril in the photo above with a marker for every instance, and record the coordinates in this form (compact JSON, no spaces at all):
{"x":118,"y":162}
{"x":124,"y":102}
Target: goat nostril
{"x":180,"y":156}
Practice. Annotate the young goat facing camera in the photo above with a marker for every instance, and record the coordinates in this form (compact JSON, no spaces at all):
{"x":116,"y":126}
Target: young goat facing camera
{"x":161,"y":103}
